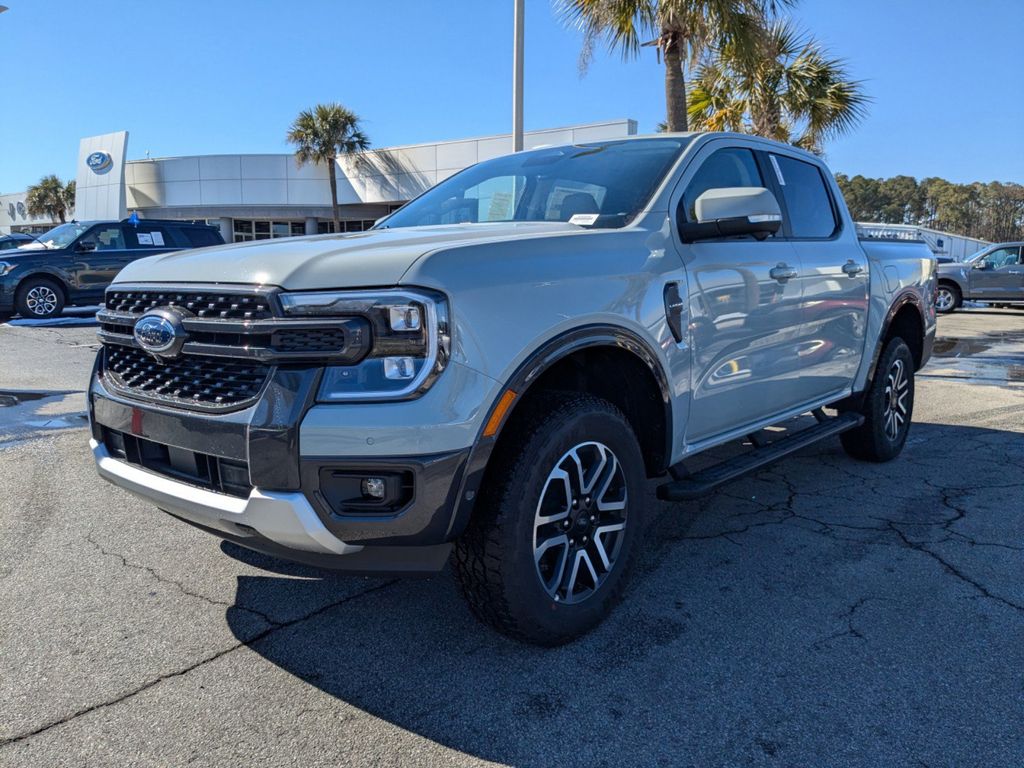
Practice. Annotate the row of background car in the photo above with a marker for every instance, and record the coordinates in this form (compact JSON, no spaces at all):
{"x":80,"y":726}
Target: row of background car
{"x":73,"y":263}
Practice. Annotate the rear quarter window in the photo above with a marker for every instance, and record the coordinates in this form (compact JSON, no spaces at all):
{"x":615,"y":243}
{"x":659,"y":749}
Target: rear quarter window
{"x":199,"y":237}
{"x":808,"y":203}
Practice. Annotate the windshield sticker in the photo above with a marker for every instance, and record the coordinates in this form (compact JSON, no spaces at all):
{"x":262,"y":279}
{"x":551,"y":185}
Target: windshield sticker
{"x":145,"y":238}
{"x":583,"y":219}
{"x":158,"y":238}
{"x":778,"y":171}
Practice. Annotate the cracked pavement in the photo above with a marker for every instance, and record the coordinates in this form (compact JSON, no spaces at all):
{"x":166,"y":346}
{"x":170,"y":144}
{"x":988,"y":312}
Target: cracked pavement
{"x":821,"y":612}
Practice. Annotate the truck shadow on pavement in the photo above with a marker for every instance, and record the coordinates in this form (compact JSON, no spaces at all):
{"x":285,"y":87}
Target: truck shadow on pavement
{"x":799,"y":615}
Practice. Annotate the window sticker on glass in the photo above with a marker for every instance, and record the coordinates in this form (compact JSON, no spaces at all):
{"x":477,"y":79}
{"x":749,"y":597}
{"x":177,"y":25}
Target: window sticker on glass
{"x":158,"y":238}
{"x":583,"y":219}
{"x":145,"y":238}
{"x":501,"y":207}
{"x":778,"y":171}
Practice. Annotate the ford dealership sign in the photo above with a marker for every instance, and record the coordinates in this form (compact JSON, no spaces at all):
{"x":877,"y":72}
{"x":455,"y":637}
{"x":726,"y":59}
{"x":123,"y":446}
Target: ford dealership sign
{"x":99,"y":162}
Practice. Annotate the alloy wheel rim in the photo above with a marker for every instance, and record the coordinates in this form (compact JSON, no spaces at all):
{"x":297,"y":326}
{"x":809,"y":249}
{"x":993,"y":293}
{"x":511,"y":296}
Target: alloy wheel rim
{"x":580,"y":522}
{"x":944,"y":299}
{"x":897,"y":389}
{"x":41,"y":300}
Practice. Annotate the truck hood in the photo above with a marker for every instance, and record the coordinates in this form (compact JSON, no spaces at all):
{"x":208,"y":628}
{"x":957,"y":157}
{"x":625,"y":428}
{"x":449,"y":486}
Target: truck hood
{"x":361,"y":259}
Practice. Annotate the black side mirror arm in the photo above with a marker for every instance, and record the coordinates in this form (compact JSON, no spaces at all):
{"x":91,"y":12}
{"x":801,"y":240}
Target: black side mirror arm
{"x":692,"y":232}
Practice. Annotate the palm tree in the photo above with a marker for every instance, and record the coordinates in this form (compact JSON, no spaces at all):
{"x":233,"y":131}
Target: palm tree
{"x":682,"y":30}
{"x":69,"y":195}
{"x":50,"y":198}
{"x":791,"y":91}
{"x":321,"y":135}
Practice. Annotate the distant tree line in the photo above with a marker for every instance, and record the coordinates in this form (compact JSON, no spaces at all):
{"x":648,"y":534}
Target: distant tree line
{"x":993,"y":211}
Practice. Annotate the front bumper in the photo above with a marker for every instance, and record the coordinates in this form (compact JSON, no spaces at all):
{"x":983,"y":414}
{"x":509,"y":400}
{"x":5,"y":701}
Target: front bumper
{"x":285,"y":518}
{"x":287,"y":508}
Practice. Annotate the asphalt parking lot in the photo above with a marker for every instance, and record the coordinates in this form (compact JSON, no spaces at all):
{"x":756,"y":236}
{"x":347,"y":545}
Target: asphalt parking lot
{"x":823,"y":612}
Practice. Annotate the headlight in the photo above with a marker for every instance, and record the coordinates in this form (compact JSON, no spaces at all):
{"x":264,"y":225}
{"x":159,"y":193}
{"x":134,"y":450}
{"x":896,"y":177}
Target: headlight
{"x":5,"y":267}
{"x":410,"y":341}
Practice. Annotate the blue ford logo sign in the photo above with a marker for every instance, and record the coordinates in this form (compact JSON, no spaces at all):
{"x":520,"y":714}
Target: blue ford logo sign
{"x":99,"y":162}
{"x":160,"y":333}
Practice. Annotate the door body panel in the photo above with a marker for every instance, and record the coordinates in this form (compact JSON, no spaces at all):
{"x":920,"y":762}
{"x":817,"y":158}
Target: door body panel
{"x":744,"y":323}
{"x":744,"y":333}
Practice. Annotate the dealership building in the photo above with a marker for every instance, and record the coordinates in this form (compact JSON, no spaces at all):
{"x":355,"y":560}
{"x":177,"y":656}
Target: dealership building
{"x":259,"y":197}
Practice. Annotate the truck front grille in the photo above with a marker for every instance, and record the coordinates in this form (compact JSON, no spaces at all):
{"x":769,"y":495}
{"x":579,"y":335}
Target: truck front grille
{"x":190,"y":380}
{"x":203,"y":304}
{"x":234,"y":338}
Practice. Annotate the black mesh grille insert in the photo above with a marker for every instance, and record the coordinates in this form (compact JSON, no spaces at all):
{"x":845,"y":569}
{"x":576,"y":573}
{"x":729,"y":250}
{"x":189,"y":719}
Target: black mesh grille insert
{"x":226,"y":306}
{"x":188,"y":380}
{"x":309,"y":340}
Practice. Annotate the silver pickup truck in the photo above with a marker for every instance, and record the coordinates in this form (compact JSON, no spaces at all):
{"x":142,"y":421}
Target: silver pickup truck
{"x":499,"y":366}
{"x":994,"y":274}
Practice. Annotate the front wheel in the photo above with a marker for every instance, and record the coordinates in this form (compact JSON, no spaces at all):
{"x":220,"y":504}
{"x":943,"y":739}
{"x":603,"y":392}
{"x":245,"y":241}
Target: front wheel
{"x":887,"y":407}
{"x":556,"y":525}
{"x":39,"y":298}
{"x":948,"y":299}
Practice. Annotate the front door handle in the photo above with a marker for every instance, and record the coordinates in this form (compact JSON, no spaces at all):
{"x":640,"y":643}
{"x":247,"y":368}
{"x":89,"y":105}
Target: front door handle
{"x":782,"y":272}
{"x":852,"y":268}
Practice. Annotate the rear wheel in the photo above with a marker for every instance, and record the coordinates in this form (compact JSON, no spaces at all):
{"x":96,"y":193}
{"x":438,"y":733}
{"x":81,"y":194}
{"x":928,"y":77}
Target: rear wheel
{"x":948,"y":299}
{"x":887,"y":407}
{"x":39,"y":298}
{"x":554,"y":531}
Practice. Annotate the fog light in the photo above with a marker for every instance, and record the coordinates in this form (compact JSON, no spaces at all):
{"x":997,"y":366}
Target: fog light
{"x":373,"y":487}
{"x":399,"y":368}
{"x":404,"y":318}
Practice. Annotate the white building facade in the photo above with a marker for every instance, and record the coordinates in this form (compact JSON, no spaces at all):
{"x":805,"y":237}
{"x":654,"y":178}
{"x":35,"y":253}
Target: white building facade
{"x":258,"y":197}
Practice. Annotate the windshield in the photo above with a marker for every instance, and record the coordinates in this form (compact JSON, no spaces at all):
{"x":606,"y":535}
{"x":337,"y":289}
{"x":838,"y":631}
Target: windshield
{"x":605,"y":185}
{"x":60,"y":236}
{"x":978,"y":255}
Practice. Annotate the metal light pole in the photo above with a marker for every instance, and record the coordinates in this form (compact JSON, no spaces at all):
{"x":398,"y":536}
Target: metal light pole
{"x":517,"y":78}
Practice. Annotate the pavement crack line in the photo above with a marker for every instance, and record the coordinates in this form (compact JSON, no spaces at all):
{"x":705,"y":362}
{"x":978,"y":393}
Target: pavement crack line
{"x":277,"y":627}
{"x":126,"y":563}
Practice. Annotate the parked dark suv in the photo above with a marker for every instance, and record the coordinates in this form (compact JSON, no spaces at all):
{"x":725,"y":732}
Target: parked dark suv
{"x":75,"y":262}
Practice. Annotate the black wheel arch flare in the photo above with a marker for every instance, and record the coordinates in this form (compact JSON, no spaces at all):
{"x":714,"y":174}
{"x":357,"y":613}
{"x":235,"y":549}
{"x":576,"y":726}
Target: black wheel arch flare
{"x":542,"y":359}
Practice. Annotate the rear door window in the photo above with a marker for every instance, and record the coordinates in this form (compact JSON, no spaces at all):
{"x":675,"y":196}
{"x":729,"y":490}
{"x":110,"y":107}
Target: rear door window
{"x":808,"y":203}
{"x":145,"y":236}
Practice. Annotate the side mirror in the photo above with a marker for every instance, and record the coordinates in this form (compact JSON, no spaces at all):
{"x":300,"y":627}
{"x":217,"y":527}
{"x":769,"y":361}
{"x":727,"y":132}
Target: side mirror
{"x":980,"y":264}
{"x":731,"y":212}
{"x":85,"y":246}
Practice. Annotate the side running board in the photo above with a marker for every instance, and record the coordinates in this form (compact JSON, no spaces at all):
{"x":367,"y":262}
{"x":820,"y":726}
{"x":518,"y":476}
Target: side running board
{"x":701,"y":483}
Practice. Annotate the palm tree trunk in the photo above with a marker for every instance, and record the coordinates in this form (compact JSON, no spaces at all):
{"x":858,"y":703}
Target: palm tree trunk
{"x":675,"y":86}
{"x":332,"y":171}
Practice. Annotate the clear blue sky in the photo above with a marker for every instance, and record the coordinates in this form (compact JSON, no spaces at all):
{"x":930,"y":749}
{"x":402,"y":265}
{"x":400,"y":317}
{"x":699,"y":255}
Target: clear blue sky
{"x":187,"y":77}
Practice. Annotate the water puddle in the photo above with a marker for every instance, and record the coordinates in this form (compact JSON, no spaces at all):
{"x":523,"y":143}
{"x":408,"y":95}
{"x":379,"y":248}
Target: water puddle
{"x":993,"y":358}
{"x":9,"y":398}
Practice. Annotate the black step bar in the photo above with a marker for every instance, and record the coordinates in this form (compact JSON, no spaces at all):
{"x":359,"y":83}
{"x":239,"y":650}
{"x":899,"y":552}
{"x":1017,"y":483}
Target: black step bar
{"x":699,"y":484}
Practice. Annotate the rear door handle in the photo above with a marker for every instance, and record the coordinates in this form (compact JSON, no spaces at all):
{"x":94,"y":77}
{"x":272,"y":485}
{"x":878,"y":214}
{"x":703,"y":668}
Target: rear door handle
{"x":852,"y":268}
{"x":782,"y":272}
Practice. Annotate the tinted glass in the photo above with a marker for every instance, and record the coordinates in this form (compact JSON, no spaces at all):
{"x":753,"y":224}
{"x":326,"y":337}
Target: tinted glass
{"x":143,"y":237}
{"x":198,"y":237}
{"x":603,"y":185}
{"x":724,"y":168}
{"x":807,"y":200}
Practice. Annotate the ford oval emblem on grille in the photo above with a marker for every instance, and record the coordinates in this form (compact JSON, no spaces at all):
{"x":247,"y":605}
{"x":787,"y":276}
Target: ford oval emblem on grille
{"x":160,"y":332}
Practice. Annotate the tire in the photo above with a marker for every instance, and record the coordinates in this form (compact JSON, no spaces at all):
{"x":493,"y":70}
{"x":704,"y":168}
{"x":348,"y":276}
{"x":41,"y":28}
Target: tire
{"x":887,"y":407}
{"x":949,"y":299}
{"x":526,"y":507}
{"x":39,"y":298}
